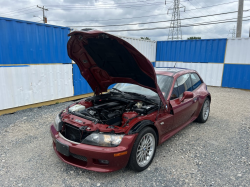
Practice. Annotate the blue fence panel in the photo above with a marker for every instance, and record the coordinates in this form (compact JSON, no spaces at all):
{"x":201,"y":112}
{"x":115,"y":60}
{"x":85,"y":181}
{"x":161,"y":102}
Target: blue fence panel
{"x":236,"y":76}
{"x":209,"y":50}
{"x":81,"y":86}
{"x":24,"y":42}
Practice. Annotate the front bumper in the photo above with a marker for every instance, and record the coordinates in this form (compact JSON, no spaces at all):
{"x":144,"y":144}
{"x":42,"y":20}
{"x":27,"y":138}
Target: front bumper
{"x":93,"y":153}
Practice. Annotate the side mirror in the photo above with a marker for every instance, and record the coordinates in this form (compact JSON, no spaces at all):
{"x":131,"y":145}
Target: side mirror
{"x":187,"y":95}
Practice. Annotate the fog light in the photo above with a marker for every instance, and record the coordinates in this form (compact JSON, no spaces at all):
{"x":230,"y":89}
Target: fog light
{"x":106,"y":162}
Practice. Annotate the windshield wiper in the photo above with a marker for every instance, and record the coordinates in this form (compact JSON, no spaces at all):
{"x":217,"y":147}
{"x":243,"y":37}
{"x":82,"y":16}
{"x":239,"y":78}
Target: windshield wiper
{"x":143,"y":97}
{"x":133,"y":93}
{"x":117,"y":90}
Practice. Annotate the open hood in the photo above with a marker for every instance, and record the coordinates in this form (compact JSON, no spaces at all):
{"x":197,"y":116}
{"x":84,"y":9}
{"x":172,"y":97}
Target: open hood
{"x":104,"y":59}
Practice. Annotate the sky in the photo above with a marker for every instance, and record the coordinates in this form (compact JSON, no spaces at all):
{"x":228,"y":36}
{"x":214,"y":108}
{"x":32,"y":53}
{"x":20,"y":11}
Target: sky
{"x":94,"y":13}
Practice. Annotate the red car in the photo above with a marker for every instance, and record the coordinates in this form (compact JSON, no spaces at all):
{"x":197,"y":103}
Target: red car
{"x":122,"y":127}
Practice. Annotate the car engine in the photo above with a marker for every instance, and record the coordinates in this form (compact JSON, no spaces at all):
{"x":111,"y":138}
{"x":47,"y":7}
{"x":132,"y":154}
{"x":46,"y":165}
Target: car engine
{"x":111,"y":111}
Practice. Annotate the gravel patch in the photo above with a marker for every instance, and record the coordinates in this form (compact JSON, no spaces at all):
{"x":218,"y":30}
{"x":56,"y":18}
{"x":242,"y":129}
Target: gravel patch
{"x":216,"y":153}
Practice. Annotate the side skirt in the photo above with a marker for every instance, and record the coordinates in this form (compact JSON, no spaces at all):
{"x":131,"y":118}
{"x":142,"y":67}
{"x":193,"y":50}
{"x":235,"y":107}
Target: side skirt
{"x":173,"y":132}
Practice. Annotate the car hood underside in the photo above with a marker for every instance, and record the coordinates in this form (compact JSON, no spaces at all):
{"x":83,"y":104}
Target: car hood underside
{"x":104,"y":59}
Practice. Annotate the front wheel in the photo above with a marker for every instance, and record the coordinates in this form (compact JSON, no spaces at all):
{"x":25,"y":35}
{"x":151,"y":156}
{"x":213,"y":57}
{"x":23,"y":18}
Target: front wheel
{"x":204,"y":113}
{"x":143,"y":150}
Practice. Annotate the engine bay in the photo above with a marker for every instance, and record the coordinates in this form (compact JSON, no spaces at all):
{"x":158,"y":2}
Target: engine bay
{"x":112,"y":111}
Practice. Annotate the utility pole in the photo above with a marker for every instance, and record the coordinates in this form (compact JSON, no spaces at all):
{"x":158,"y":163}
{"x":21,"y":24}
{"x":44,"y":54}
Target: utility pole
{"x":239,"y":19}
{"x":44,"y":9}
{"x":175,"y":32}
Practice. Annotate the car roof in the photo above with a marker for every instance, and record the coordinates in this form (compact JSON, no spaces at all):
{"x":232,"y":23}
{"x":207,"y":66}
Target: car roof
{"x":173,"y":71}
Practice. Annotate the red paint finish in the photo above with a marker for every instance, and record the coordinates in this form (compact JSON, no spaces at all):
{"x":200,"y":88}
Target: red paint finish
{"x":95,"y":152}
{"x":126,"y":116}
{"x":169,"y":120}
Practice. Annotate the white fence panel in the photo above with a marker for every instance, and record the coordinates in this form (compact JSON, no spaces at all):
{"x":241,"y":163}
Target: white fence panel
{"x":237,"y":51}
{"x":24,"y":85}
{"x":210,"y":73}
{"x":146,"y":47}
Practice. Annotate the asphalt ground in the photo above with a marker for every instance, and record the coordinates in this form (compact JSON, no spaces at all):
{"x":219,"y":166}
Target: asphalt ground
{"x":216,"y":153}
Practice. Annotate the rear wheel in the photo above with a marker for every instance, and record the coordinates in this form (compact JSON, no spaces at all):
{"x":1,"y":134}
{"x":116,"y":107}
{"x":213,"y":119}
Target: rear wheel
{"x":143,"y":151}
{"x":204,"y":113}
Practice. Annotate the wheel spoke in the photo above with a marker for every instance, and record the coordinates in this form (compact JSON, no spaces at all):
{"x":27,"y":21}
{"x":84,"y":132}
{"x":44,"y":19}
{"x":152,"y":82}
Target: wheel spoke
{"x":139,"y":153}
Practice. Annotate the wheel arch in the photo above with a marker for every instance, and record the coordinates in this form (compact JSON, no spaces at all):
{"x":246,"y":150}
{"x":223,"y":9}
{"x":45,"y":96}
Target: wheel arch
{"x":141,"y":125}
{"x":209,"y":97}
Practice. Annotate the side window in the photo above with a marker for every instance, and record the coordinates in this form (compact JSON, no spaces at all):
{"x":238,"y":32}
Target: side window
{"x":195,"y":80}
{"x":184,"y":84}
{"x":175,"y":93}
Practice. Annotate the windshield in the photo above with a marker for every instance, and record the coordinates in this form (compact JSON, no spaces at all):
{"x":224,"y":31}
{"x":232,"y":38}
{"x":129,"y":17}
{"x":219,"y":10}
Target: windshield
{"x":163,"y":81}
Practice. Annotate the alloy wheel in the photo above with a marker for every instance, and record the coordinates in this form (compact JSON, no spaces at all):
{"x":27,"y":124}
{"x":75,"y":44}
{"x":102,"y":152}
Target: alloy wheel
{"x":145,"y":149}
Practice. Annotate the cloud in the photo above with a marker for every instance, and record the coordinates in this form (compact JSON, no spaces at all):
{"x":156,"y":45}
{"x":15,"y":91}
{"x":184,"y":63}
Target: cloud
{"x":93,"y":13}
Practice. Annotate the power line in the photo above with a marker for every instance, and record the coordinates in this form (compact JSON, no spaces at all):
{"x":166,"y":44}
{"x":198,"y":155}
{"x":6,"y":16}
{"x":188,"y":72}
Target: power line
{"x":160,"y":21}
{"x":188,"y":25}
{"x":103,"y":5}
{"x":20,"y":12}
{"x":114,"y":7}
{"x":148,"y":15}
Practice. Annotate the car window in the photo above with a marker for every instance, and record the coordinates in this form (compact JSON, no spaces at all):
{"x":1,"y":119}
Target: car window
{"x":175,"y":93}
{"x":196,"y":81}
{"x":184,"y":84}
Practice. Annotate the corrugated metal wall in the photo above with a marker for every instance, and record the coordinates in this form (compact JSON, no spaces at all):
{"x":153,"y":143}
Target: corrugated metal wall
{"x":211,"y":50}
{"x":24,"y":42}
{"x":146,"y":47}
{"x":210,"y":73}
{"x":237,"y":64}
{"x":29,"y":84}
{"x":236,"y":76}
{"x":238,"y":51}
{"x":81,"y":86}
{"x":204,"y":56}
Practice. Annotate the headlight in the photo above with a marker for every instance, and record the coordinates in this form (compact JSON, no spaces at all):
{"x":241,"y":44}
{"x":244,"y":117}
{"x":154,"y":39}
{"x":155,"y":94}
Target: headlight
{"x":58,"y":123}
{"x":103,"y":139}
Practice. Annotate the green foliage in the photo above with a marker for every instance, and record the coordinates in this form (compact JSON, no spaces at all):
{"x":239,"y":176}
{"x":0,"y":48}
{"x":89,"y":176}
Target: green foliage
{"x":194,"y":38}
{"x":145,"y":38}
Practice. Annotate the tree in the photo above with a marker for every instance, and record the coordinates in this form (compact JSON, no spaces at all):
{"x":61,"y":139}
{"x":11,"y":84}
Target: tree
{"x":145,"y":38}
{"x":194,"y":38}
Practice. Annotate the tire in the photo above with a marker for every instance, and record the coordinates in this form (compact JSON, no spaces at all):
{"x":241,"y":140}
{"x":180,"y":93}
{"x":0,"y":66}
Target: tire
{"x":141,"y":157}
{"x":204,"y":113}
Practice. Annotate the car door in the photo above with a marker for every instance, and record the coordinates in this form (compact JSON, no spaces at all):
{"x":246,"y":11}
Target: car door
{"x":182,"y":111}
{"x":196,"y":82}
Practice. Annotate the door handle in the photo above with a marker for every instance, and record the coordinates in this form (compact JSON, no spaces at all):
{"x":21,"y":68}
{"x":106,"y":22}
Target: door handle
{"x":195,"y":99}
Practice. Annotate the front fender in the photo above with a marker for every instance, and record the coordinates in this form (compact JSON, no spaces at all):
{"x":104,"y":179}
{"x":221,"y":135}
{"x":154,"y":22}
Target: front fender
{"x":139,"y":126}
